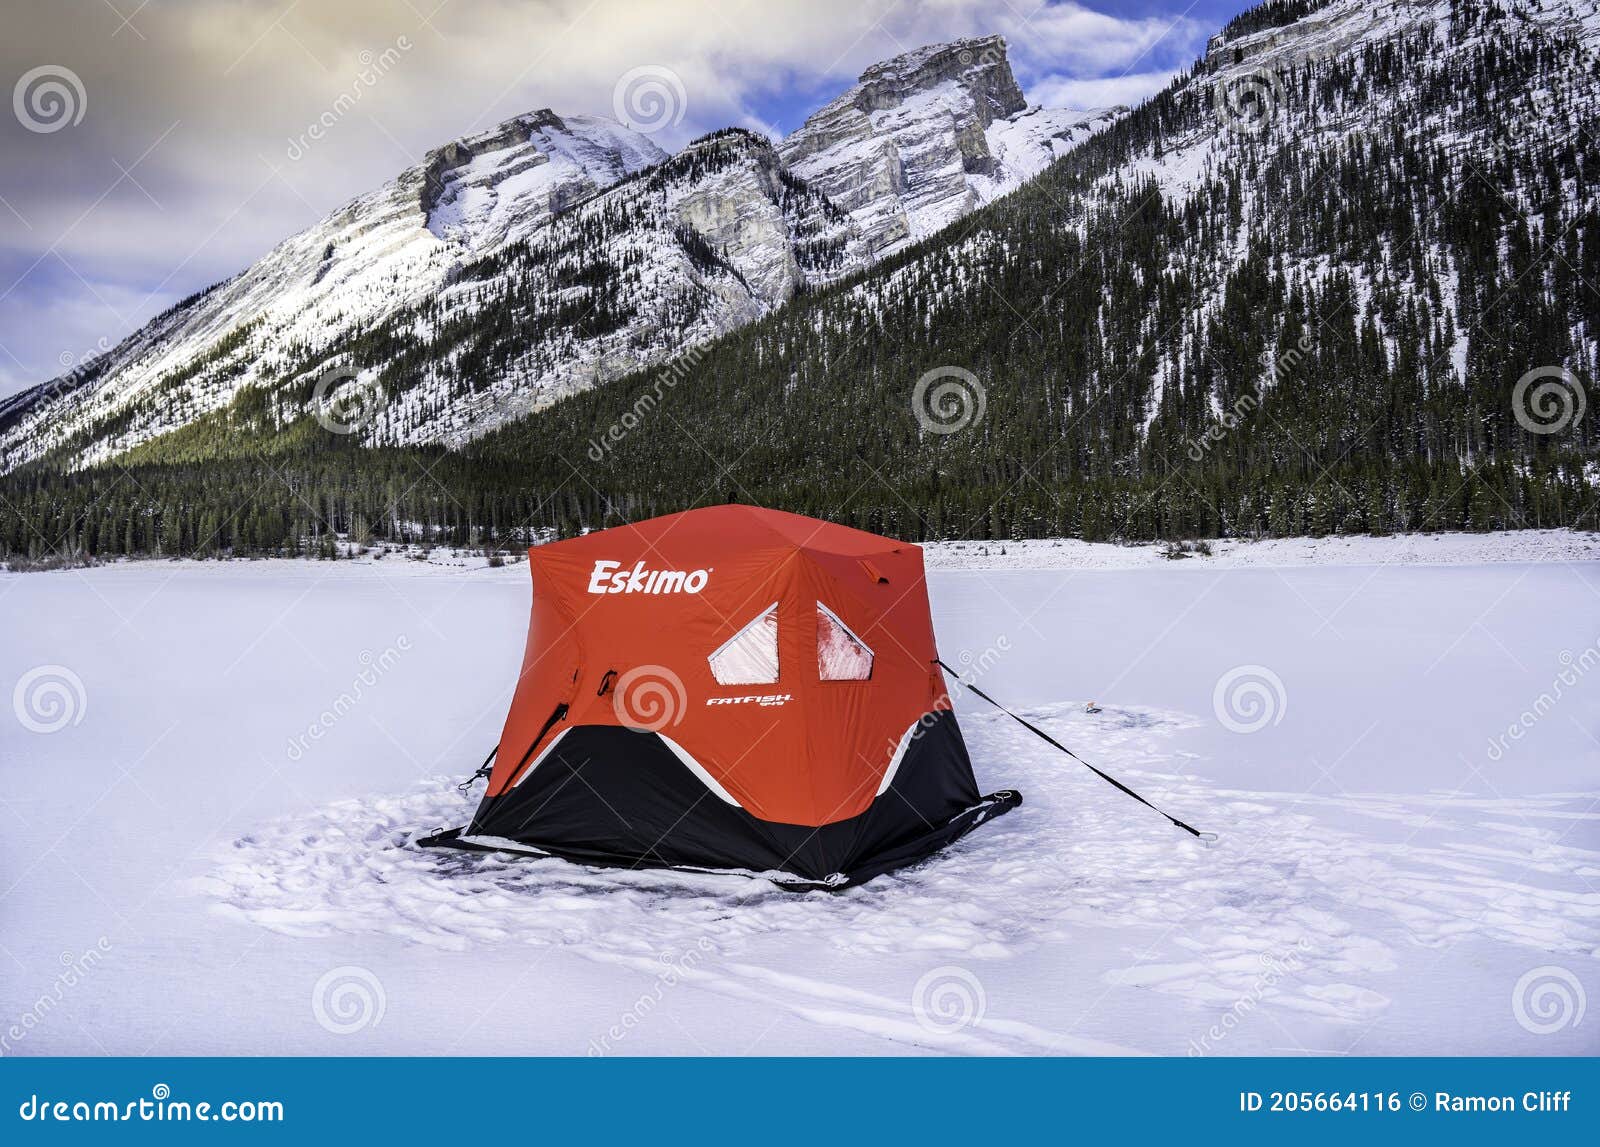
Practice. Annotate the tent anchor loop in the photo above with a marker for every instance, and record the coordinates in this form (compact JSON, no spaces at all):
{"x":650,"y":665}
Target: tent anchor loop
{"x":483,"y":770}
{"x":1206,"y":838}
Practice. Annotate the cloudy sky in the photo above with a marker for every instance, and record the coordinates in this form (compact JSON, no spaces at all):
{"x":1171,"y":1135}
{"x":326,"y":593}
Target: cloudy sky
{"x":155,"y":146}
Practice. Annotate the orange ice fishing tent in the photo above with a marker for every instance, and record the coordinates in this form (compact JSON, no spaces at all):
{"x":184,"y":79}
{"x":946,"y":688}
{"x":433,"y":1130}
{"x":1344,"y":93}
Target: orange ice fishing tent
{"x":730,"y":688}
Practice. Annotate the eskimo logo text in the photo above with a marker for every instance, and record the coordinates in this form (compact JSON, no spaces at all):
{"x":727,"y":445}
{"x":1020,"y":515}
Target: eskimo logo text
{"x":610,"y":577}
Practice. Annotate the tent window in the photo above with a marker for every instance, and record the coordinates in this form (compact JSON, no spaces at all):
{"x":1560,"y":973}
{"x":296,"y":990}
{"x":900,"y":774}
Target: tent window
{"x":749,"y":657}
{"x":841,"y":655}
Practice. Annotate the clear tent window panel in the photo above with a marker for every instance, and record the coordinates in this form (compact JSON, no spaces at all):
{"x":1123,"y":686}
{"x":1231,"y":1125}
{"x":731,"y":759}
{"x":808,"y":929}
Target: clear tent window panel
{"x":749,"y":657}
{"x":841,"y":655}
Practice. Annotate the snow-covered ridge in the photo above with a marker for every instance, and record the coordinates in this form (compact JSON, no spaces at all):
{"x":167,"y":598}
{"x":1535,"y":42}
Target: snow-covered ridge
{"x":1252,"y":67}
{"x":482,"y":191}
{"x":390,"y":248}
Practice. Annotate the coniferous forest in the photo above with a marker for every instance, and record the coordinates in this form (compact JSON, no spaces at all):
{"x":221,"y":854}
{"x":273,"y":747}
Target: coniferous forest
{"x":1368,"y":317}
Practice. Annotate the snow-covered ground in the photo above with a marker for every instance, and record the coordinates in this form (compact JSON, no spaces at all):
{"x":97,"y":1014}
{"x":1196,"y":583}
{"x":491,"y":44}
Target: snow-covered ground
{"x":1232,"y":553}
{"x":210,"y":853}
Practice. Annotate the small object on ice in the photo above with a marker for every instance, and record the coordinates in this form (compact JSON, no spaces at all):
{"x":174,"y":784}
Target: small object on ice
{"x":1091,"y":707}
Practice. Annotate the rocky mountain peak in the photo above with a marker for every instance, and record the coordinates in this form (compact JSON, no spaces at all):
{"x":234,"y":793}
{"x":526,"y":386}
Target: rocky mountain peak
{"x":484,"y":189}
{"x":977,"y":64}
{"x":926,"y":137}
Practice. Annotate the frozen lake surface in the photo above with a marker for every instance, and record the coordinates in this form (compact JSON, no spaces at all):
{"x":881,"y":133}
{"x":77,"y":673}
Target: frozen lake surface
{"x":186,"y":867}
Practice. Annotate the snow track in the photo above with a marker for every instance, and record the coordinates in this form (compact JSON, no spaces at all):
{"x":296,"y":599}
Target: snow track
{"x":1292,"y":910}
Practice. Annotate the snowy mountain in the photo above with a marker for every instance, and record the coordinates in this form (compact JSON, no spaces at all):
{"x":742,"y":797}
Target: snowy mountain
{"x":1341,"y":277}
{"x":397,"y":245}
{"x":517,"y":266}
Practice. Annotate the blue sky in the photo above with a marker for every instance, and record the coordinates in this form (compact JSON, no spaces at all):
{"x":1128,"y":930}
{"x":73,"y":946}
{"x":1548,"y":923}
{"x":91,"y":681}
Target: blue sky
{"x":174,"y":167}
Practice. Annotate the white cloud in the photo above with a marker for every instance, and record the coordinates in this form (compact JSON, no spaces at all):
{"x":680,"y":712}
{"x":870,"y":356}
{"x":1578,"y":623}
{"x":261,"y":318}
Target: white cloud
{"x":1081,"y":41}
{"x":1108,"y":91}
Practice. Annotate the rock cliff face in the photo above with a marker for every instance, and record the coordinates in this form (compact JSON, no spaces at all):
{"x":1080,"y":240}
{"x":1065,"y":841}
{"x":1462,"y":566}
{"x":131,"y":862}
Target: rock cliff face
{"x":711,"y":239}
{"x":926,"y":137}
{"x":517,"y":265}
{"x":763,"y":222}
